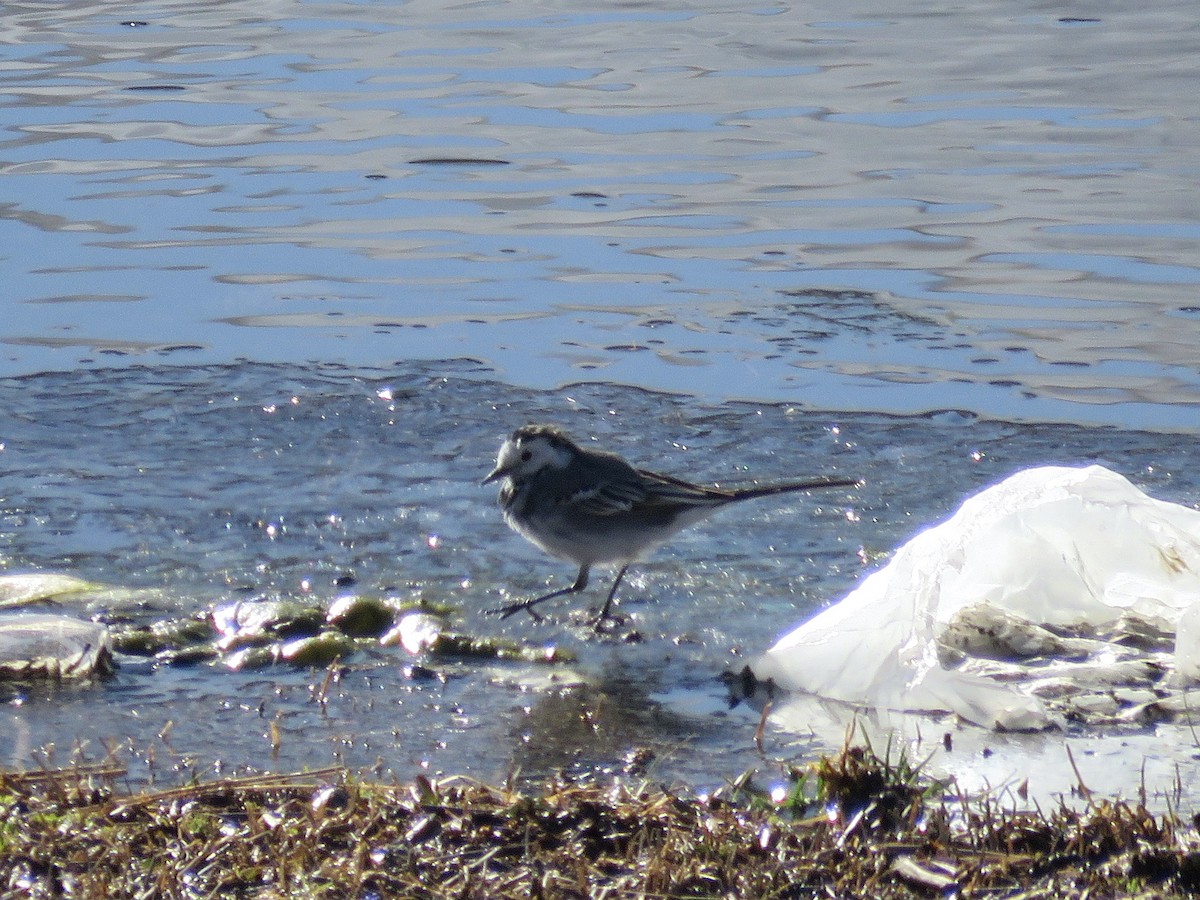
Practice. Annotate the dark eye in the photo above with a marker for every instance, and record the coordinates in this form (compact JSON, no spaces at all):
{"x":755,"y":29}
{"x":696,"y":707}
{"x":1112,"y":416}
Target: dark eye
{"x":527,"y":456}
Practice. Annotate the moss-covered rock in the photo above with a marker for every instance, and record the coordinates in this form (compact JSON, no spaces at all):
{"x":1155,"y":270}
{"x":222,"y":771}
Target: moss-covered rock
{"x":255,"y":621}
{"x":358,"y":616}
{"x":317,"y":650}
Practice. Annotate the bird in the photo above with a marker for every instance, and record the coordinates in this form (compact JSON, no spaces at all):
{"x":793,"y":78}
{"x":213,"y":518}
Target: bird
{"x":591,"y":507}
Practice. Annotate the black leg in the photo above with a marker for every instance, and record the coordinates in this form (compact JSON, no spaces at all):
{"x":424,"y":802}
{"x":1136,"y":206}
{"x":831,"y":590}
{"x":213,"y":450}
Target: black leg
{"x":612,"y":592}
{"x":581,"y":581}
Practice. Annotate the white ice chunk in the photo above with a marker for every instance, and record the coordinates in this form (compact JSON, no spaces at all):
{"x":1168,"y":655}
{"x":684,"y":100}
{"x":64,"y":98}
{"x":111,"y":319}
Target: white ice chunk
{"x":1056,"y":546}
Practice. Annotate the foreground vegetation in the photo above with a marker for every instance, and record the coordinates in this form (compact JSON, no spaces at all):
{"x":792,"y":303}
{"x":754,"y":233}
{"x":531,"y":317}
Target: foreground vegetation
{"x":850,"y":825}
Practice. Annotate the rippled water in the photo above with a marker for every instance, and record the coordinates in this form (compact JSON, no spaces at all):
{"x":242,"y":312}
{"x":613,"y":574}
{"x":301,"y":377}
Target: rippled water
{"x":981,"y":207}
{"x":968,"y":216}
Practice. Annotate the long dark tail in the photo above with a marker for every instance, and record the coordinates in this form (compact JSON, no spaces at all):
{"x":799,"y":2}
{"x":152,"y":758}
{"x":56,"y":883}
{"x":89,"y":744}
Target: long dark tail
{"x":676,"y":491}
{"x":767,"y":490}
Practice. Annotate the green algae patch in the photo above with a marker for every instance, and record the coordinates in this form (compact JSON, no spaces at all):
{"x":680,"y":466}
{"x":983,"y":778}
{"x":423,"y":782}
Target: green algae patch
{"x":316,"y":651}
{"x":27,"y":588}
{"x":425,"y":633}
{"x":162,"y":637}
{"x":465,"y":646}
{"x":360,"y":616}
{"x":244,"y":634}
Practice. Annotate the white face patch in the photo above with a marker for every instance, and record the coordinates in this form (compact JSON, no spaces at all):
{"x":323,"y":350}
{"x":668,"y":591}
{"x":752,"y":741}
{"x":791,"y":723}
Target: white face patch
{"x":532,"y":454}
{"x":531,"y":450}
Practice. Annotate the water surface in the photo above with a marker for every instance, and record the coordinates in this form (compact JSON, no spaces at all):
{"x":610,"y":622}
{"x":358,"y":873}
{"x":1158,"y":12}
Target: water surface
{"x":988,"y":208}
{"x":202,"y":486}
{"x":277,"y":279}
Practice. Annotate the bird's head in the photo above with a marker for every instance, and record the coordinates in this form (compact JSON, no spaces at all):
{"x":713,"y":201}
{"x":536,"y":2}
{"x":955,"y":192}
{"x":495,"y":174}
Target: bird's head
{"x":530,"y":449}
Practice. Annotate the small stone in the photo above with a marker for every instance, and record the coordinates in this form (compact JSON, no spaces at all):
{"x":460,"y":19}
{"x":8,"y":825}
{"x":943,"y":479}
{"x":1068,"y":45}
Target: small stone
{"x":360,"y":616}
{"x":320,"y":650}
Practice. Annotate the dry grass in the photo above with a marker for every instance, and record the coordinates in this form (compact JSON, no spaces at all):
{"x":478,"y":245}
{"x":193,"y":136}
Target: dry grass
{"x":852,"y":825}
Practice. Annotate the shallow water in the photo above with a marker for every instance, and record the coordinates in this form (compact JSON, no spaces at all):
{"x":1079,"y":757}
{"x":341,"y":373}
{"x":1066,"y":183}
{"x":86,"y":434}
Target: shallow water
{"x":228,"y":226}
{"x":205,"y":485}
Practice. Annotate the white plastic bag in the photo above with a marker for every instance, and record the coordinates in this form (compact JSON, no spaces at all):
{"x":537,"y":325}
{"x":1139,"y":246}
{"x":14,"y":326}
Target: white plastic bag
{"x":1052,"y":545}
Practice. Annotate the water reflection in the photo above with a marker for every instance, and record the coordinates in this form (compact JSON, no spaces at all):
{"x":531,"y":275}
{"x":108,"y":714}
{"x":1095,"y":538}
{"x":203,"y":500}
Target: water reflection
{"x":241,"y":183}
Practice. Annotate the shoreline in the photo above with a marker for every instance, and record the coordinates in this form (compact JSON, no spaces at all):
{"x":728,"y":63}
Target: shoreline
{"x":849,"y":824}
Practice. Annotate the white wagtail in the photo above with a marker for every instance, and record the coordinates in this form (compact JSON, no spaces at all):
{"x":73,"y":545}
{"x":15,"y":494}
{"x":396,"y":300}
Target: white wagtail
{"x":592,"y":507}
